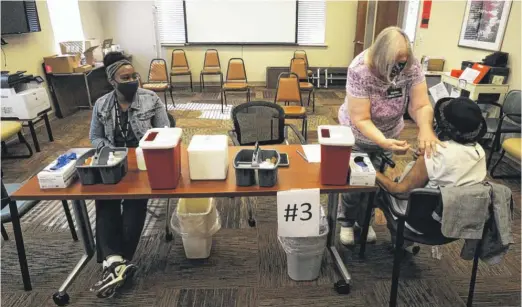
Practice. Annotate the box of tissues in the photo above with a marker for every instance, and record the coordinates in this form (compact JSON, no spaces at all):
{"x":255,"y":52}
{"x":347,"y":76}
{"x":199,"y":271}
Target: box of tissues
{"x":362,"y":171}
{"x":208,"y":157}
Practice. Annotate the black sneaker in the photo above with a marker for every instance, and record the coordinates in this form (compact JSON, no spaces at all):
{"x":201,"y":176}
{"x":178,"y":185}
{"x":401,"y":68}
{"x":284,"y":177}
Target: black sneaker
{"x":113,"y":277}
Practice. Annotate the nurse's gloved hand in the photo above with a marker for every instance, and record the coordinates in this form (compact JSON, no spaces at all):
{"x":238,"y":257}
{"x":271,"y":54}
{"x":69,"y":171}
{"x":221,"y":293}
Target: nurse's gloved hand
{"x":398,"y":147}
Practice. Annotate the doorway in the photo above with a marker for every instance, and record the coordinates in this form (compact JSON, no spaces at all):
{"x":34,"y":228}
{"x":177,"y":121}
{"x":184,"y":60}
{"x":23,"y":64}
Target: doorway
{"x":373,"y":16}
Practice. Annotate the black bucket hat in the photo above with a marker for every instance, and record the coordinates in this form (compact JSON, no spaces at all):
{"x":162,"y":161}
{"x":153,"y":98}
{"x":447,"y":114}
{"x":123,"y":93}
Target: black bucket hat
{"x":460,"y":119}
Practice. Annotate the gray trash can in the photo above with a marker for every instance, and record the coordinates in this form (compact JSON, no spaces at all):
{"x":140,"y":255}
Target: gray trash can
{"x":305,"y":255}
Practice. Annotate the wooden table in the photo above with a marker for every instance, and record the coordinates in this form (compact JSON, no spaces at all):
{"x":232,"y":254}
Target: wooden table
{"x":300,"y":175}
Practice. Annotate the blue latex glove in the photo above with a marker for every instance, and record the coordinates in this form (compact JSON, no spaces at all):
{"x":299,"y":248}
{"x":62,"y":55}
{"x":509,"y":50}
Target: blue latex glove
{"x":63,"y":160}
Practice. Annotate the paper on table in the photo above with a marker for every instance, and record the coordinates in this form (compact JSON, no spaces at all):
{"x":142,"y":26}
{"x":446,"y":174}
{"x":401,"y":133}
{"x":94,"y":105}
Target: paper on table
{"x":469,"y":74}
{"x":312,"y":153}
{"x":438,"y":92}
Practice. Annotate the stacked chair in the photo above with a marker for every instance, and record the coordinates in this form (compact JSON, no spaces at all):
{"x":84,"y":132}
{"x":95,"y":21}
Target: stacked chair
{"x":301,"y":54}
{"x":299,"y":67}
{"x":158,"y":80}
{"x":288,"y":91}
{"x":236,"y":80}
{"x":179,"y":66}
{"x":211,"y":67}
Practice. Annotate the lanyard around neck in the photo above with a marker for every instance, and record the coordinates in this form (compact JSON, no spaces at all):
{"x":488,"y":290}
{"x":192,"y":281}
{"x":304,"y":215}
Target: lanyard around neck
{"x":124,"y":131}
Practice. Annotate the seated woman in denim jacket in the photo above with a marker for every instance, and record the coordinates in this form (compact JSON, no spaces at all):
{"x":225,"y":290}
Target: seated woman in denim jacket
{"x":120,"y":119}
{"x":461,"y":163}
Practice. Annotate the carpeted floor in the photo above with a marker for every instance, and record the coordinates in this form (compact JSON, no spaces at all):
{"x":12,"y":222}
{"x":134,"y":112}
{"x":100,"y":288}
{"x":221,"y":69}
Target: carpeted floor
{"x":247,"y":266}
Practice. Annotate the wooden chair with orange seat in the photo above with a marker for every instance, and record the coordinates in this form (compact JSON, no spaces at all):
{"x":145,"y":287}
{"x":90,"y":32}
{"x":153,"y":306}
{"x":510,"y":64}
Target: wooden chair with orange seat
{"x":158,"y":80}
{"x":179,"y":66}
{"x":211,"y":66}
{"x":236,"y":80}
{"x":299,"y":67}
{"x":288,"y":91}
{"x":301,"y":54}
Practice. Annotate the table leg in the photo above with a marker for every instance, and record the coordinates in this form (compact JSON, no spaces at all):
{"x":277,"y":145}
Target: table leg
{"x":33,"y":135}
{"x":48,"y":126}
{"x":343,"y":285}
{"x":84,"y":227}
{"x":22,"y":259}
{"x":501,"y":98}
{"x":367,"y":221}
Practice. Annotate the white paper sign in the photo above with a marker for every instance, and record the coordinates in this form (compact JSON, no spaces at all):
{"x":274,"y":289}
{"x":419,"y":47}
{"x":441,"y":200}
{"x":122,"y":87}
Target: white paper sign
{"x":298,"y":213}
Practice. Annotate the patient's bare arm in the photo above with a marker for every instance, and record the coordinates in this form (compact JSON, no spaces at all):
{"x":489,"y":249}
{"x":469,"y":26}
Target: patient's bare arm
{"x":416,"y":178}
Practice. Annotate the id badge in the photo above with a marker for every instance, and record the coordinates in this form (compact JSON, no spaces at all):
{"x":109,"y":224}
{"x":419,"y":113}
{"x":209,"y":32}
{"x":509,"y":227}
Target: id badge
{"x":393,"y":92}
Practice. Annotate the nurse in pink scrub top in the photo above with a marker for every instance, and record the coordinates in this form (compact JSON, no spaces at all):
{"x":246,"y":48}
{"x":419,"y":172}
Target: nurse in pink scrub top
{"x":381,"y":80}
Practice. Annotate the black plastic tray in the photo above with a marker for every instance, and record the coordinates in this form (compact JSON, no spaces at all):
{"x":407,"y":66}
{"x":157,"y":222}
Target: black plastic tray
{"x":104,"y":174}
{"x":246,"y":173}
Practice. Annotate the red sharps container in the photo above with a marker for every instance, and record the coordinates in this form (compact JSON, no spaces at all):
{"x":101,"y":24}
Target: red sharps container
{"x":162,"y":152}
{"x":336,"y":148}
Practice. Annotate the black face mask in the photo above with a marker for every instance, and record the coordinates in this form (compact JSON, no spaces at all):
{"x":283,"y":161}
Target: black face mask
{"x":128,"y":89}
{"x":397,"y":68}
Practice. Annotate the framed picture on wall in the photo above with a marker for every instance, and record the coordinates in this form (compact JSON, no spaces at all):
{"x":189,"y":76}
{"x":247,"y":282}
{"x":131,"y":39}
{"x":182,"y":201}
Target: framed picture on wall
{"x":484,"y":24}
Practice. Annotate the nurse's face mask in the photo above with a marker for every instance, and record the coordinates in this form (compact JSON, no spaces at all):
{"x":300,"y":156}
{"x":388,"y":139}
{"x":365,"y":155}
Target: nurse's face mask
{"x":396,"y":69}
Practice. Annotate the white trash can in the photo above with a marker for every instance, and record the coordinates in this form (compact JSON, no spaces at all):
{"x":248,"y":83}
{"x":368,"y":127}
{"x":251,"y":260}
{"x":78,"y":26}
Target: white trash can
{"x":196,"y":220}
{"x":304,"y":255}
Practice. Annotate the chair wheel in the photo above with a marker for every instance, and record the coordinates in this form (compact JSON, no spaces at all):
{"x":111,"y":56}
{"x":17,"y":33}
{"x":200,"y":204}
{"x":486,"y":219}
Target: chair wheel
{"x":252,"y":223}
{"x":61,"y":300}
{"x":168,"y":236}
{"x":342,"y":287}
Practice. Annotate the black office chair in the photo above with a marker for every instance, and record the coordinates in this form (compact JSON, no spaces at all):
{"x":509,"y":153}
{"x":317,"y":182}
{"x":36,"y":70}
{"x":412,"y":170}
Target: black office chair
{"x":260,"y":122}
{"x":22,"y":207}
{"x":499,"y":126}
{"x":421,"y":203}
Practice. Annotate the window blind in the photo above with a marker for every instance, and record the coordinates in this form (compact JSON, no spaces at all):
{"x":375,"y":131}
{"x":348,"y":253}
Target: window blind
{"x":311,"y":22}
{"x":32,"y":16}
{"x":170,"y":21}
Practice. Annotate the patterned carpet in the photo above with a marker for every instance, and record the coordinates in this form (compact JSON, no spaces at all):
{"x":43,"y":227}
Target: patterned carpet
{"x":247,"y":266}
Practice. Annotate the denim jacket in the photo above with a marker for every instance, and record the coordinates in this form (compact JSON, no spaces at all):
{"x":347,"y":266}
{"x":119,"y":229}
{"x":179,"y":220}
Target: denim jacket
{"x":146,"y":112}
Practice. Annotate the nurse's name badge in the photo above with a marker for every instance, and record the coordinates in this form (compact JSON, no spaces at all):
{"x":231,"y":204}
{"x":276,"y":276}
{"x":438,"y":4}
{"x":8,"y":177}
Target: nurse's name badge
{"x":393,"y":92}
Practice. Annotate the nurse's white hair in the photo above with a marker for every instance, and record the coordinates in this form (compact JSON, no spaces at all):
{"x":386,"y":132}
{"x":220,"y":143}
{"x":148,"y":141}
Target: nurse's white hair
{"x":384,"y":50}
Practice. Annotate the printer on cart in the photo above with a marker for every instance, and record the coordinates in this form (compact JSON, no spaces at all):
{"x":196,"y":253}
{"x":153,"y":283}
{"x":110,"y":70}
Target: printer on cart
{"x":23,"y":96}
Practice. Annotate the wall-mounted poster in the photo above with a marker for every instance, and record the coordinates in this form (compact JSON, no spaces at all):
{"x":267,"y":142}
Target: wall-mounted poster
{"x":484,"y":24}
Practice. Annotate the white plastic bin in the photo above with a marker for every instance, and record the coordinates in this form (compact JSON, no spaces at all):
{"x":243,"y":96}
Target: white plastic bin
{"x":196,"y":220}
{"x":208,"y":157}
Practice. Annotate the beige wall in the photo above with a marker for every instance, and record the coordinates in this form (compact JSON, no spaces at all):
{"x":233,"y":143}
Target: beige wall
{"x":442,"y":37}
{"x":91,"y":19}
{"x":131,"y":25}
{"x":137,"y":38}
{"x":26,"y":51}
{"x":340,"y":33}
